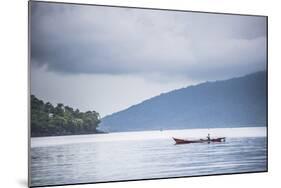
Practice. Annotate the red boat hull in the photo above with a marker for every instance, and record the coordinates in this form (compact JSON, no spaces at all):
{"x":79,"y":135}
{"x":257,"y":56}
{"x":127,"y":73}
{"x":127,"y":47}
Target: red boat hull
{"x":182,"y":141}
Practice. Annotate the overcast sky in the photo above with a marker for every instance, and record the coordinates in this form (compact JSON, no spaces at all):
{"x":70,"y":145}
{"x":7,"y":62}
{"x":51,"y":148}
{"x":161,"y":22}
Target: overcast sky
{"x":107,"y":59}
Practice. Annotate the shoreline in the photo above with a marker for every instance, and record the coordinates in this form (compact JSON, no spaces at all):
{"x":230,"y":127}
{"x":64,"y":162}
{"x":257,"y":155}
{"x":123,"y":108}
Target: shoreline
{"x":69,"y":135}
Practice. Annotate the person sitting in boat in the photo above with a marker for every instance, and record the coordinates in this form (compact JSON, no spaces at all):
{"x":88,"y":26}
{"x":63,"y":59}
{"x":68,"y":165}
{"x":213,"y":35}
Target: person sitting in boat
{"x":208,"y":137}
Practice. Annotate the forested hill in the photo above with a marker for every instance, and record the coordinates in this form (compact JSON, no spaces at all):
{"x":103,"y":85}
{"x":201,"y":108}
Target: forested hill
{"x":49,"y":120}
{"x":235,"y":102}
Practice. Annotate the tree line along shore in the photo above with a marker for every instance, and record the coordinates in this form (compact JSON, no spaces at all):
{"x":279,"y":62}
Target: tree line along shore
{"x":49,"y":120}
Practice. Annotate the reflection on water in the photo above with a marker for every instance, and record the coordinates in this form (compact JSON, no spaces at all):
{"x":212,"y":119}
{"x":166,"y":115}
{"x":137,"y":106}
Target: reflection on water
{"x":82,"y":162}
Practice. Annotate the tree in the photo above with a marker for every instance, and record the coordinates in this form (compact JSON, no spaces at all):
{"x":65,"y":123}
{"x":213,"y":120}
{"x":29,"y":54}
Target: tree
{"x":59,"y":109}
{"x":47,"y":120}
{"x":49,"y":107}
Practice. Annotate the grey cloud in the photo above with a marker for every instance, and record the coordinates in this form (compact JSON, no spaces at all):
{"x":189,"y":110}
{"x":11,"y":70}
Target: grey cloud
{"x":88,"y":39}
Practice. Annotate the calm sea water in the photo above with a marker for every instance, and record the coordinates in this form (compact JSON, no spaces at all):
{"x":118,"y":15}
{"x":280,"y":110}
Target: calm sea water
{"x":144,"y":155}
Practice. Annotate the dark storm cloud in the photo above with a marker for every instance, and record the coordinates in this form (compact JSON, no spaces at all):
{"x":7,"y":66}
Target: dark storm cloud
{"x":87,"y":39}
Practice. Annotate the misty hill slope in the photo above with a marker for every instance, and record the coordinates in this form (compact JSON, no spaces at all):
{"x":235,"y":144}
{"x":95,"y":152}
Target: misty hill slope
{"x":235,"y":102}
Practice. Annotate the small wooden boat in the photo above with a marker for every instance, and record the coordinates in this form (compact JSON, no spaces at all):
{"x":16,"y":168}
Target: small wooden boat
{"x":185,"y":141}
